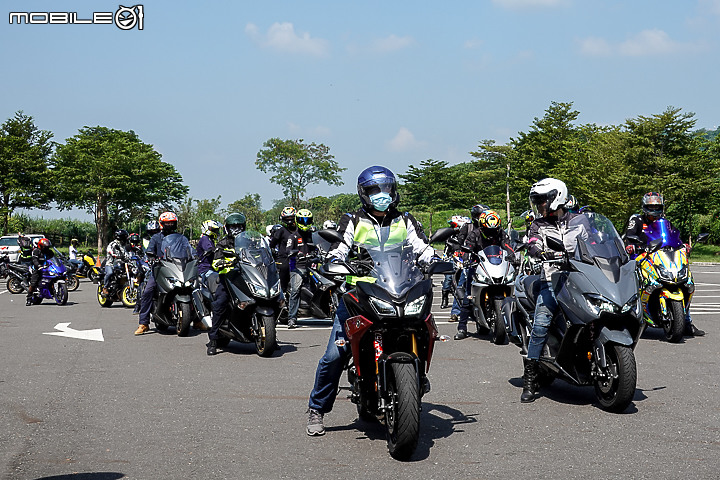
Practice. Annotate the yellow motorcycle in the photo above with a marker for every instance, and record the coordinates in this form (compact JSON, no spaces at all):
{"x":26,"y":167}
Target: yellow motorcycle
{"x":666,"y":283}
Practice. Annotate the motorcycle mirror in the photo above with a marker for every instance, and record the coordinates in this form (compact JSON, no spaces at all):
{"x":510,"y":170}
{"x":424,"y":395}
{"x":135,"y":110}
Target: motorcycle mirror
{"x":332,"y":236}
{"x":441,"y":267}
{"x":702,"y":238}
{"x":655,"y":244}
{"x":442,"y":234}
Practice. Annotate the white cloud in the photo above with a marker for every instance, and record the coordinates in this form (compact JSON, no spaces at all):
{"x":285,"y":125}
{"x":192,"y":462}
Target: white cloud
{"x":524,"y":4}
{"x":404,"y":141}
{"x":646,"y":43}
{"x":283,"y":38}
{"x":391,"y":43}
{"x":473,"y":43}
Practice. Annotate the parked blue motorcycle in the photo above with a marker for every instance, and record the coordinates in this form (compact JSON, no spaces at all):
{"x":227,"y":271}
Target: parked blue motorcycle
{"x":52,"y":284}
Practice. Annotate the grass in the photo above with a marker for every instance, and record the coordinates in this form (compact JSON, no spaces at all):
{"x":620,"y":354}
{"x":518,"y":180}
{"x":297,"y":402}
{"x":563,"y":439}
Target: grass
{"x":705,"y":253}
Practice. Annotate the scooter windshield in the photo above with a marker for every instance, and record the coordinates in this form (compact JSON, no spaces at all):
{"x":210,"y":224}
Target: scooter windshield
{"x":55,"y":266}
{"x":394,"y":268}
{"x":662,"y":230}
{"x":253,"y":249}
{"x":494,"y":254}
{"x":596,"y":238}
{"x":176,"y":246}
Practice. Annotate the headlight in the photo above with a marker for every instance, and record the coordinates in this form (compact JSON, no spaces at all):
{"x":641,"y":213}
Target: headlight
{"x":600,"y":304}
{"x":275,"y":290}
{"x":631,"y":306}
{"x":415,"y":307}
{"x":683,"y":273}
{"x":664,"y":273}
{"x":257,"y":289}
{"x":382,"y":307}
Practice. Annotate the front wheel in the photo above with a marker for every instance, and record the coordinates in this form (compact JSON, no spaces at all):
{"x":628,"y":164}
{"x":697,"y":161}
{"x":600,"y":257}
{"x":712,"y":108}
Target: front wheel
{"x":72,"y":283}
{"x":129,"y":296}
{"x":498,"y":332}
{"x":265,"y":341}
{"x":402,"y":417}
{"x":61,"y":293}
{"x":616,"y":390}
{"x":184,"y":319}
{"x":93,"y":276}
{"x":674,"y":326}
{"x":14,"y":285}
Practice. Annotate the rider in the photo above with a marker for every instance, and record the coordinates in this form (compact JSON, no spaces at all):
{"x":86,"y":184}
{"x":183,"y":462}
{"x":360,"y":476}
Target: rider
{"x":572,"y":204}
{"x":39,"y":256}
{"x":205,"y":252}
{"x":134,"y":247}
{"x":305,"y":249}
{"x":653,"y":206}
{"x":528,"y":217}
{"x":377,"y":189}
{"x":490,"y":232}
{"x":152,"y":227}
{"x":115,"y":253}
{"x":548,"y":198}
{"x":168,"y":225}
{"x":455,"y":222}
{"x":234,"y":226}
{"x":282,"y":243}
{"x":329,"y":225}
{"x":72,"y":249}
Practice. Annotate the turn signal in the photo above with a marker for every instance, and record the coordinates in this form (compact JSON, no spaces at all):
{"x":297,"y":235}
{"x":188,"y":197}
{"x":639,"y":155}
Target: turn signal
{"x":589,"y":355}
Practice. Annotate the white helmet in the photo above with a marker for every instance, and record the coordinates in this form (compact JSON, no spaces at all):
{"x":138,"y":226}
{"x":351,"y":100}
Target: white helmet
{"x":548,"y":195}
{"x":211,"y":228}
{"x":329,"y":224}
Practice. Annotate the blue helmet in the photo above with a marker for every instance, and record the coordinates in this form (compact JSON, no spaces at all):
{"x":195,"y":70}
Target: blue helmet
{"x":377,"y":188}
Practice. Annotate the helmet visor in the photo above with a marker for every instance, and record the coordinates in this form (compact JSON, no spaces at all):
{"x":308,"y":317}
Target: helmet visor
{"x":386,"y":187}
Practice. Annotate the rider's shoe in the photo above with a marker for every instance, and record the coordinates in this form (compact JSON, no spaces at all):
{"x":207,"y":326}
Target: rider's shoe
{"x":315,"y":425}
{"x":212,"y":347}
{"x":692,"y":331}
{"x":292,"y":323}
{"x":461,"y":334}
{"x":142,"y":328}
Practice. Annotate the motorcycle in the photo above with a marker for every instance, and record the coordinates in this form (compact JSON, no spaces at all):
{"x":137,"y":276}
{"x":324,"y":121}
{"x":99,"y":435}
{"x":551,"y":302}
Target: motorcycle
{"x":598,"y":323}
{"x":52,"y":283}
{"x":71,"y":281}
{"x":17,"y":274}
{"x":124,"y":286}
{"x":666,"y":283}
{"x":176,"y":277}
{"x":88,"y":268}
{"x":491,"y":284}
{"x":391,"y":332}
{"x":253,"y":287}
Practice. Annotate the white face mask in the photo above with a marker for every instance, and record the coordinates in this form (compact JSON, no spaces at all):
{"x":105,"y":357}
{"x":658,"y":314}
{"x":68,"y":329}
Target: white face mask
{"x":381,"y":201}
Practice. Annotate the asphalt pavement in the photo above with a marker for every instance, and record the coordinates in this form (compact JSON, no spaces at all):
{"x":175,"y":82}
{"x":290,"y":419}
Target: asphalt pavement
{"x":111,"y":405}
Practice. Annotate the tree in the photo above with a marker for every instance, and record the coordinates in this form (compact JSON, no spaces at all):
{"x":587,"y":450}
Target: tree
{"x":193,"y":212}
{"x":296,"y":165}
{"x":100,"y":167}
{"x":24,"y":154}
{"x":250,"y":206}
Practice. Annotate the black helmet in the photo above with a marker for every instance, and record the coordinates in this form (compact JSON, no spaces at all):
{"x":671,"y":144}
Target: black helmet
{"x":134,"y":239}
{"x":234,"y":224}
{"x":121,"y":235}
{"x":476,"y":210}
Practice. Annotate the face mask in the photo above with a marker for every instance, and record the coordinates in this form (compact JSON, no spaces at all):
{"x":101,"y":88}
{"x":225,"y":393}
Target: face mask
{"x":381,"y":201}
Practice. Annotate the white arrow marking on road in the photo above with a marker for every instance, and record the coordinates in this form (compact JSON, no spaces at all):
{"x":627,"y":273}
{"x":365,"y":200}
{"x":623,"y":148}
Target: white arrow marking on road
{"x":66,"y":331}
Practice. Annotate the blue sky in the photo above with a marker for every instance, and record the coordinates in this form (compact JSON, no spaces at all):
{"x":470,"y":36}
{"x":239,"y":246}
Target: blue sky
{"x":379,"y":82}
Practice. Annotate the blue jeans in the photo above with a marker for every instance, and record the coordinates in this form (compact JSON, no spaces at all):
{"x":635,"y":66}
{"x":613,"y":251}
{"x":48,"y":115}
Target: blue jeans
{"x":464,"y":307}
{"x":294,"y":287}
{"x":455,"y":310}
{"x":330,"y":366}
{"x":146,"y":299}
{"x":544,"y":312}
{"x":447,"y":283}
{"x":108,"y":274}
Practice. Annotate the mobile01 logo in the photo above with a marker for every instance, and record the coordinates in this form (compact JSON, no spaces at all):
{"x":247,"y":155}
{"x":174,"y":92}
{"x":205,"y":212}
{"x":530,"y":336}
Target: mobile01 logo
{"x":125,"y":18}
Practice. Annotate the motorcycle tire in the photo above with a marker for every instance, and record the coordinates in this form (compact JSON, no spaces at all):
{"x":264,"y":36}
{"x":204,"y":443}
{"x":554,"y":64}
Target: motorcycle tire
{"x":498,"y":332}
{"x":129,"y":296}
{"x":616,"y":394}
{"x":265,"y":340}
{"x":14,"y":285}
{"x":104,"y":302}
{"x":160,"y":327}
{"x":184,"y":321}
{"x":72,"y":283}
{"x":93,"y":276}
{"x":402,"y":417}
{"x":61,"y":293}
{"x":675,"y":328}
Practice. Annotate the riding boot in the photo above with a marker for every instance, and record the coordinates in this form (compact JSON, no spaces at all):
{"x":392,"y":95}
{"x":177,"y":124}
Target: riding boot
{"x":29,"y":298}
{"x":445,"y":295}
{"x":212,"y":347}
{"x":530,"y":386}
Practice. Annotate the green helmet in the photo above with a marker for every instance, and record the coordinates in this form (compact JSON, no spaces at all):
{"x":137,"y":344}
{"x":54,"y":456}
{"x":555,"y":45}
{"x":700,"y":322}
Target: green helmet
{"x":234,"y":224}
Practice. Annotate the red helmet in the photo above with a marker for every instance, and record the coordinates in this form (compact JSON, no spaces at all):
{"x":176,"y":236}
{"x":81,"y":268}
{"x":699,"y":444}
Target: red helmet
{"x":43,"y":243}
{"x":168,"y":221}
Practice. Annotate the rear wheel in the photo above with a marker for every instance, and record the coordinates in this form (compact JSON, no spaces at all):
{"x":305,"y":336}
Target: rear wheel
{"x":102,"y":300}
{"x":184,"y":319}
{"x":402,"y":417}
{"x":615,"y":392}
{"x":265,"y":341}
{"x":93,"y":276}
{"x":61,"y":293}
{"x":674,"y":326}
{"x":14,"y":285}
{"x":498,"y":332}
{"x":72,"y":283}
{"x":129,"y":296}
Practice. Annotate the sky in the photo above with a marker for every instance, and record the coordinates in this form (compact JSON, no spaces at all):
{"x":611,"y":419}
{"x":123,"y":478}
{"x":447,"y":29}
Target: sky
{"x":387,"y":82}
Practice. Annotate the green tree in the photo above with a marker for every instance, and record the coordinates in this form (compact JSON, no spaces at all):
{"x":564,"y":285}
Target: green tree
{"x":100,"y":167}
{"x":295,"y":165}
{"x":24,"y":154}
{"x":251,"y":206}
{"x":193,"y":212}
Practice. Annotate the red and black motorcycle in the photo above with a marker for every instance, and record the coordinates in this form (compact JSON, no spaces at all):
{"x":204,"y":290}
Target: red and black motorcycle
{"x":392,"y":333}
